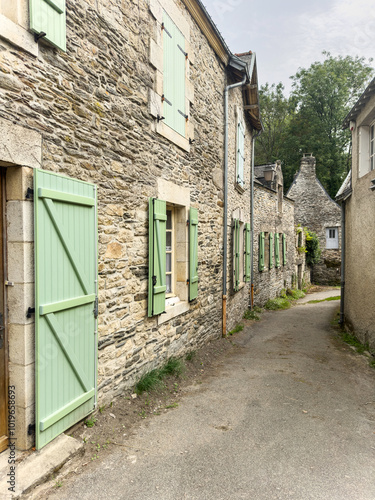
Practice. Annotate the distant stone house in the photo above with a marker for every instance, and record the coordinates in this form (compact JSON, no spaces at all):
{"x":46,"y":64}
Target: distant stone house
{"x":277,"y":265}
{"x":118,"y":172}
{"x":316,"y":210}
{"x":357,"y":199}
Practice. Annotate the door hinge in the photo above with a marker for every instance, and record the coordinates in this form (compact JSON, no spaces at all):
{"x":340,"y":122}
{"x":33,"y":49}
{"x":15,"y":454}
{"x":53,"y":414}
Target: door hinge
{"x":30,"y":311}
{"x":31,"y":429}
{"x":96,"y":307}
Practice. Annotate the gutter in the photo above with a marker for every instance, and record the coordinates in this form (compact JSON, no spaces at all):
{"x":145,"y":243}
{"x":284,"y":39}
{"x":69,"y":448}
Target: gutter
{"x":342,"y":297}
{"x":225,"y":251}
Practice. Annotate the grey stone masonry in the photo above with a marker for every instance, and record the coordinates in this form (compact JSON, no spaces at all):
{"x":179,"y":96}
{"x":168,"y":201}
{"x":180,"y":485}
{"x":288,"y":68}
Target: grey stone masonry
{"x":315,"y":210}
{"x":94,"y":112}
{"x":273,"y":213}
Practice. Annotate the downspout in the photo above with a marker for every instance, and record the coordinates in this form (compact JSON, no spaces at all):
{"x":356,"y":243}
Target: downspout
{"x":342,"y":298}
{"x":251,"y":305}
{"x":225,"y":252}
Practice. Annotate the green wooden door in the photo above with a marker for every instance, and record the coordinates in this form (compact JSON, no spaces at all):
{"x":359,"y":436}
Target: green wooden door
{"x":65,"y":291}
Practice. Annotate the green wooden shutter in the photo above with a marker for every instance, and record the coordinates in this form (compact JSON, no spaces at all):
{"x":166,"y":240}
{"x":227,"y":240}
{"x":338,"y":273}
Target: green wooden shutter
{"x":277,"y":252}
{"x":157,"y":256}
{"x":49,"y":16}
{"x":65,"y":291}
{"x":236,"y":254}
{"x":284,"y":249}
{"x":271,"y":250}
{"x":247,"y":253}
{"x":240,"y":153}
{"x":174,"y":68}
{"x":193,"y":254}
{"x":261,"y":252}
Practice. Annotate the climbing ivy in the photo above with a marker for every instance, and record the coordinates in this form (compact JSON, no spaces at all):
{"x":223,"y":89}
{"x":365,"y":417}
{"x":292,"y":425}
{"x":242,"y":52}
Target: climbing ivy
{"x":313,"y":251}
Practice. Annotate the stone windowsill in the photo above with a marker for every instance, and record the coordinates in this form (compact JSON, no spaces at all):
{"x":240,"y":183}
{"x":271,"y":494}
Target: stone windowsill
{"x":173,"y":311}
{"x":239,"y":188}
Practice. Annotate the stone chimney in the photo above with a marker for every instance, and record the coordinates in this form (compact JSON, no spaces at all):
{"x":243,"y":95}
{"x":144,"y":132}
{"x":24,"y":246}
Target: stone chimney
{"x":308,"y":163}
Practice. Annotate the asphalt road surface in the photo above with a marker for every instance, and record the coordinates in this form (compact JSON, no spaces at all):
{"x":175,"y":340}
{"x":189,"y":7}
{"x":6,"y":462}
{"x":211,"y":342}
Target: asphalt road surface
{"x":291,"y":415}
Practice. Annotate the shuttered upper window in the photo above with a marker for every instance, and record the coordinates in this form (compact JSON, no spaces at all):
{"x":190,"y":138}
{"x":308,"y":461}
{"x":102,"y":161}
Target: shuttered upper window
{"x":49,"y":17}
{"x":240,"y":153}
{"x":174,"y":70}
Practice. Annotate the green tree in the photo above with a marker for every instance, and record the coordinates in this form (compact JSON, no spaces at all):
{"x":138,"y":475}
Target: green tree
{"x":310,"y":119}
{"x":324,"y":94}
{"x":276,"y":114}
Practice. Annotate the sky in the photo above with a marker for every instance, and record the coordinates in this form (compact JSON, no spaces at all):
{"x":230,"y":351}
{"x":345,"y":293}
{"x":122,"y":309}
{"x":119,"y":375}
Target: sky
{"x":291,"y":34}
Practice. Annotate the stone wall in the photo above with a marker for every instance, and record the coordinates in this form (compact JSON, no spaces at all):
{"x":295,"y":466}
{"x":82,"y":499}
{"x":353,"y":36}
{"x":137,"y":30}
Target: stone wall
{"x":91,"y":105}
{"x":269,"y":283}
{"x":360,"y":239}
{"x":315,"y":210}
{"x":238,"y":206}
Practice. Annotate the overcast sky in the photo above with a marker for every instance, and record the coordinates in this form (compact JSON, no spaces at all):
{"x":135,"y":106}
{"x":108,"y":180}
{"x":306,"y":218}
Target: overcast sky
{"x":290,"y":34}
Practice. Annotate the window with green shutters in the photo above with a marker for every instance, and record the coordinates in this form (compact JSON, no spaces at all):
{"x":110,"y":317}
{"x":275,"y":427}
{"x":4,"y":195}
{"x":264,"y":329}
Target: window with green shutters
{"x":240,"y":158}
{"x":49,"y":17}
{"x":284,"y":249}
{"x":167,"y":236}
{"x":277,"y":250}
{"x":236,"y":254}
{"x":271,"y":251}
{"x":261,"y":252}
{"x":193,"y":254}
{"x":247,"y":275}
{"x":174,"y":73}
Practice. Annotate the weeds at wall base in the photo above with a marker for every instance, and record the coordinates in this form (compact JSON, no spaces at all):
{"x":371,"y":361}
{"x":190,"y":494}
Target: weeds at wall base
{"x":350,"y":339}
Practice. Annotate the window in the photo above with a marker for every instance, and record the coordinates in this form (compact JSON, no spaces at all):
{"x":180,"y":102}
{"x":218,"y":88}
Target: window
{"x":266,"y":251}
{"x":277,"y":250}
{"x":48,"y":16}
{"x":240,"y":156}
{"x":174,"y":69}
{"x":241,"y":251}
{"x":372,"y":146}
{"x":170,"y":253}
{"x":332,"y":238}
{"x":284,"y":248}
{"x":173,"y":258}
{"x":271,"y":251}
{"x":366,"y":139}
{"x":238,"y":260}
{"x":261,"y":252}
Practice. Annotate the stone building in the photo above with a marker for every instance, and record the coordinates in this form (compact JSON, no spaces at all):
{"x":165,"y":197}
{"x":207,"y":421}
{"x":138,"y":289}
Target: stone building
{"x":113,"y":143}
{"x":316,"y":210}
{"x":357,"y":198}
{"x":275,"y":254}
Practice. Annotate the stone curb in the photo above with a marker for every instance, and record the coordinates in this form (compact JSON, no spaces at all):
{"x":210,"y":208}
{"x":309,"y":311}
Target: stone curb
{"x":38,"y":466}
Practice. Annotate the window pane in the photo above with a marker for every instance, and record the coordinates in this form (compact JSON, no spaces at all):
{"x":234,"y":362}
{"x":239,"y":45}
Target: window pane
{"x":372,"y":131}
{"x":169,"y":283}
{"x":169,"y":262}
{"x":169,"y":241}
{"x":372,"y":163}
{"x":169,"y":219}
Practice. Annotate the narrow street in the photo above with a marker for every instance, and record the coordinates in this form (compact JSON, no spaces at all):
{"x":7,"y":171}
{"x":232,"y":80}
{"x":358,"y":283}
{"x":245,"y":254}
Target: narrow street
{"x":291,"y":415}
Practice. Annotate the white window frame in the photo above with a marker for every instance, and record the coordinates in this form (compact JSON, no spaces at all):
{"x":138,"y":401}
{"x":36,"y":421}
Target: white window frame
{"x":240,"y":152}
{"x":332,"y":242}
